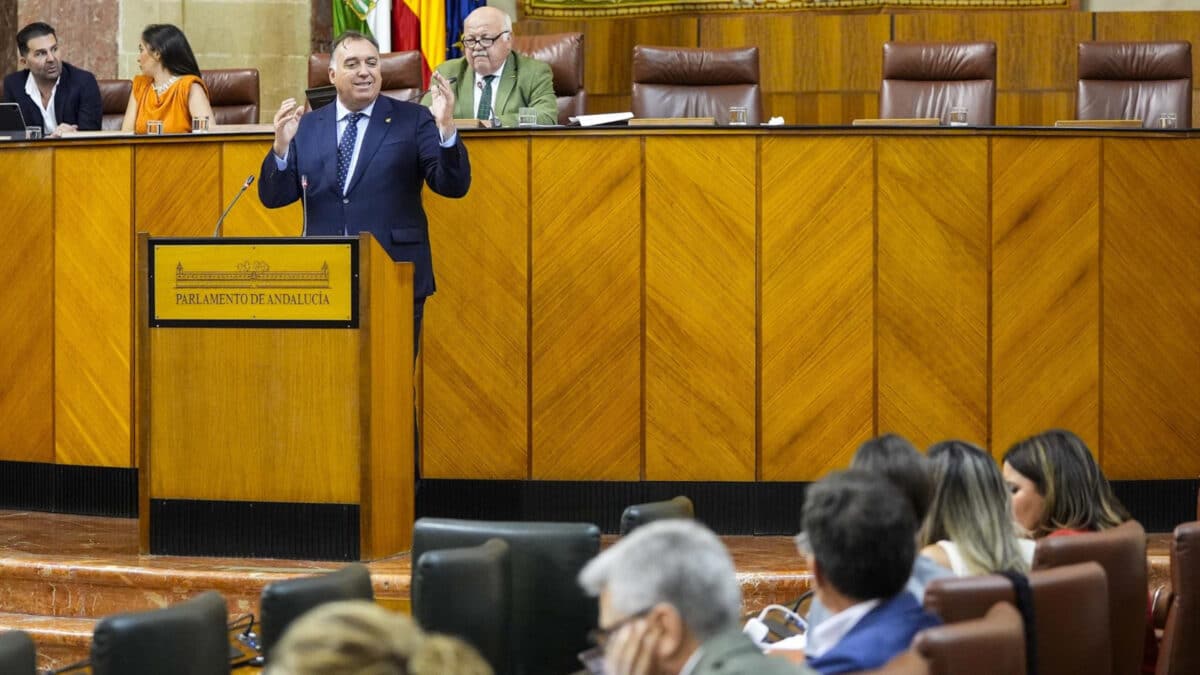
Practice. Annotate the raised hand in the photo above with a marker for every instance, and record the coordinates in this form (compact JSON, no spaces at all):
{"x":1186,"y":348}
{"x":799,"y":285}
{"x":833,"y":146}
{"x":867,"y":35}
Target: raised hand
{"x":287,"y":120}
{"x":442,"y":105}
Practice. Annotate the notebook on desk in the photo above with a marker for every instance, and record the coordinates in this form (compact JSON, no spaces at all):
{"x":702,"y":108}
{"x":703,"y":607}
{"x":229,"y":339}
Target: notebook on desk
{"x":1099,"y":124}
{"x":12,"y":124}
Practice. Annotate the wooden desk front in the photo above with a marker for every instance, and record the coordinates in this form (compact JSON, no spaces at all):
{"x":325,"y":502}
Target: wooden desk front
{"x":686,"y":304}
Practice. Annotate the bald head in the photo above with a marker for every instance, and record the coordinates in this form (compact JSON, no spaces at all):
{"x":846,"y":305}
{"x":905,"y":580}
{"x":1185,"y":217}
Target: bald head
{"x":487,"y":39}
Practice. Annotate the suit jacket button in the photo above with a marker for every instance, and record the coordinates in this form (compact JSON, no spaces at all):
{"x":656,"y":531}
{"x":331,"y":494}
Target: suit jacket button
{"x":345,"y":200}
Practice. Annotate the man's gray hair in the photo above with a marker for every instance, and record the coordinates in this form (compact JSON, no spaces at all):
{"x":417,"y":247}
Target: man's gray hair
{"x":679,"y":562}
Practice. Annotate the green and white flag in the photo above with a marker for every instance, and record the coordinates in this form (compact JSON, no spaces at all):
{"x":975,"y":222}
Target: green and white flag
{"x":351,"y":15}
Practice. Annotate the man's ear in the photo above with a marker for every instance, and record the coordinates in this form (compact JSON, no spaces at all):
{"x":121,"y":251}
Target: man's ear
{"x":673,"y":631}
{"x":22,"y":63}
{"x":331,"y":72}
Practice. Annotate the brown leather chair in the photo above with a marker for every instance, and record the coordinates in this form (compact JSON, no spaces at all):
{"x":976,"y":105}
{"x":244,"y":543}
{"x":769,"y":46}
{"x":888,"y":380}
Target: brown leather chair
{"x":992,"y":645}
{"x":233,"y":93}
{"x":927,"y":79}
{"x":564,"y":53}
{"x":680,"y":82}
{"x":401,"y":72}
{"x":1121,"y":551}
{"x":114,"y":98}
{"x":1179,"y":652}
{"x":1135,"y":80}
{"x":1070,"y":609}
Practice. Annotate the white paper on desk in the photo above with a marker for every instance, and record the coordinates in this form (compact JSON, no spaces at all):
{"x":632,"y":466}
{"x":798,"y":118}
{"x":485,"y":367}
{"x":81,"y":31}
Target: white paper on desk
{"x":602,"y":118}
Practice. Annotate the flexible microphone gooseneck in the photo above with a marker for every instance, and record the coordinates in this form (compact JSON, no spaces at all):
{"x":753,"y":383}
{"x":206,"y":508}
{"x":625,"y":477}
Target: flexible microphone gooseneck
{"x":304,"y":205}
{"x":221,"y":220}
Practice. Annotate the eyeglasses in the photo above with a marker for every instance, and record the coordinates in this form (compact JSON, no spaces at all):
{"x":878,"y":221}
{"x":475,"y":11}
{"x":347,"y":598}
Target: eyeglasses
{"x":484,"y":41}
{"x":593,"y":659}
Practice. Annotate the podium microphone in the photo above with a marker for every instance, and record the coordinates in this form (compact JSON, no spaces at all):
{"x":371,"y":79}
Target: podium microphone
{"x":221,"y":220}
{"x":304,"y":205}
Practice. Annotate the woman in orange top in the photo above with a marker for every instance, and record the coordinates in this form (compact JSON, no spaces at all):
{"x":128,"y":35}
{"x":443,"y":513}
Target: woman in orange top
{"x":169,"y":88}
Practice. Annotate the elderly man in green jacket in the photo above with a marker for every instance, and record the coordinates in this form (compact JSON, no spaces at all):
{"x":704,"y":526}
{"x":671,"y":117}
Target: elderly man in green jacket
{"x":494,"y":82}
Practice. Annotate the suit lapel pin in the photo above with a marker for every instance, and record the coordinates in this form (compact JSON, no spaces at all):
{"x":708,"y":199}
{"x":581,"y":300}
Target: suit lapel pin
{"x":387,"y":120}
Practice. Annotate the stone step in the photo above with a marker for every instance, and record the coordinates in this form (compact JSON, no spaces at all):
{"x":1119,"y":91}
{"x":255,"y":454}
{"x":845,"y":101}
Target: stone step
{"x":60,"y":640}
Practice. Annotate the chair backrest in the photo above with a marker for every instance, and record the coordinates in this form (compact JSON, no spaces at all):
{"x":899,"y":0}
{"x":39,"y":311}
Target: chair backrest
{"x":401,"y":73}
{"x":991,"y":645}
{"x":1121,"y":551}
{"x":18,"y":655}
{"x":114,"y":98}
{"x":927,"y":79}
{"x":1070,"y":609}
{"x":233,"y":93}
{"x":1135,"y":80}
{"x":285,"y":601}
{"x":1180,"y":649}
{"x":465,"y":592}
{"x":683,"y":82}
{"x":551,"y":615}
{"x":639,"y":514}
{"x":564,"y":53}
{"x":190,"y":638}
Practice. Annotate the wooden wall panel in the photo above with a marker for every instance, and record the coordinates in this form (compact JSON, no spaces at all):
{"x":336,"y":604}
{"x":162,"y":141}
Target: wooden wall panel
{"x":181,"y":188}
{"x":249,"y":218}
{"x":932,"y":312}
{"x":476,"y":342}
{"x":1034,"y":50}
{"x":1151,"y":264}
{"x":1139,"y":26}
{"x":1037,"y":108}
{"x":1045,"y":288}
{"x":586,"y":299}
{"x":27,"y":306}
{"x":817,"y":271}
{"x":608,"y":45}
{"x":700,"y":315}
{"x":93,"y":249}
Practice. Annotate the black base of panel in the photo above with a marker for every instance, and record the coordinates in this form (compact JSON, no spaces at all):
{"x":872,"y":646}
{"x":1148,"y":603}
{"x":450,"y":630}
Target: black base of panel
{"x":61,"y":488}
{"x":254,"y":529}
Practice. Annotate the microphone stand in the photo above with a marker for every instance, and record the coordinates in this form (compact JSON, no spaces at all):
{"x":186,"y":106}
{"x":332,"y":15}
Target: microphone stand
{"x":221,"y":220}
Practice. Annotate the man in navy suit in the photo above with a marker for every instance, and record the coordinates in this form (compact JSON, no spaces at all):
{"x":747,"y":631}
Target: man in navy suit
{"x":364,"y":160}
{"x":51,"y":92}
{"x":860,"y":540}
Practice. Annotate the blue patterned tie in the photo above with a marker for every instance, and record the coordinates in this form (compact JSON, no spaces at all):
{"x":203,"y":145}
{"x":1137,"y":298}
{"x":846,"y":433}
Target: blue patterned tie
{"x":346,"y":149}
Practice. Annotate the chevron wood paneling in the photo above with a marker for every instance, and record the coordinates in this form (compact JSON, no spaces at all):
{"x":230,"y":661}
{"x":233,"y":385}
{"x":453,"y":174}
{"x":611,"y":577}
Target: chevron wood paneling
{"x":817,"y":303}
{"x":1045,"y":288}
{"x":1151,"y":264}
{"x":932,"y":312}
{"x":475,"y":351}
{"x":700,"y":314}
{"x":27,"y":306}
{"x":180,"y":191}
{"x":249,"y":218}
{"x":586,"y":308}
{"x":93,"y":248}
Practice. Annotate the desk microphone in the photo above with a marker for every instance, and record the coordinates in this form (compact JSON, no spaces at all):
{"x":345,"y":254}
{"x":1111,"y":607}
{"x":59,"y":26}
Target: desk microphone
{"x":304,"y":205}
{"x":245,"y":186}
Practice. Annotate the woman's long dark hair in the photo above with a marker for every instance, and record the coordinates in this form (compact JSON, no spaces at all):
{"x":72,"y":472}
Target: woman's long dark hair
{"x":172,"y":47}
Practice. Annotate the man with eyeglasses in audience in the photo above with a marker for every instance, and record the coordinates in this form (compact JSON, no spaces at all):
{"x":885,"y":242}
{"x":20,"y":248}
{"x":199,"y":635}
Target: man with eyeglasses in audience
{"x":492,"y":82}
{"x":670,"y":604}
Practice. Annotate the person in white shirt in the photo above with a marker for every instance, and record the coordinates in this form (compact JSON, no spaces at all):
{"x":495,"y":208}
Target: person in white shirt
{"x":53,"y":94}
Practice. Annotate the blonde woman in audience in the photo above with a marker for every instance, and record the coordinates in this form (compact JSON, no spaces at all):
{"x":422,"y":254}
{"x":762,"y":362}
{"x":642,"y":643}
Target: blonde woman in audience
{"x":358,"y":637}
{"x":1057,"y":488}
{"x":970,"y":529}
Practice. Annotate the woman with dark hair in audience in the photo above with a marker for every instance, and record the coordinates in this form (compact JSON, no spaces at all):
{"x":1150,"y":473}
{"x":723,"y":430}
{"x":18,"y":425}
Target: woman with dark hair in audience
{"x":1057,"y":488}
{"x":970,"y":528}
{"x":169,"y":89}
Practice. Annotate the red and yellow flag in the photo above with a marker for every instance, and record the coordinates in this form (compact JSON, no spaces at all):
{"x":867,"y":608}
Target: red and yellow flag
{"x":421,"y":25}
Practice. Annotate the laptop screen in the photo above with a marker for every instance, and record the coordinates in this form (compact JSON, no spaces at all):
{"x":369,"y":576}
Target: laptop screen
{"x":10,"y":118}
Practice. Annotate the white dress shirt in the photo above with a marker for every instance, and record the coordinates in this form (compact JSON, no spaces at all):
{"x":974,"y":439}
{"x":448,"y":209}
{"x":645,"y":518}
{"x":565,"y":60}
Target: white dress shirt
{"x":480,"y":84}
{"x":49,"y":122}
{"x":831,"y":631}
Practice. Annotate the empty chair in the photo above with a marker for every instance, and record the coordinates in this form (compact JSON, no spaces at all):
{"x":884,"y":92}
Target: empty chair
{"x":564,"y":53}
{"x":682,"y":82}
{"x":1121,"y":551}
{"x":400,"y":71}
{"x":992,"y":645}
{"x":190,"y":638}
{"x":1180,"y":649}
{"x":1070,"y":609}
{"x":464,"y":592}
{"x":233,"y":93}
{"x":639,"y":514}
{"x":550,"y":614}
{"x":1135,"y":81}
{"x":284,"y":601}
{"x":927,"y":79}
{"x":114,"y":98}
{"x":18,"y":655}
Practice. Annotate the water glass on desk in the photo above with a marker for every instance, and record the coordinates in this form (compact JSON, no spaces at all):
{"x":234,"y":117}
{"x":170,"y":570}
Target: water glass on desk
{"x":1167,"y":120}
{"x":527,"y":117}
{"x":154,"y":128}
{"x":958,"y":116}
{"x":199,"y":124}
{"x":739,"y":116}
{"x":33,"y":133}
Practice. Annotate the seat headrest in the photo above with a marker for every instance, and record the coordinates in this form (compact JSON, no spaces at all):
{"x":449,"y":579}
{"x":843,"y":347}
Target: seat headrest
{"x":284,"y":601}
{"x":939,"y":61}
{"x":232,"y":86}
{"x":190,"y":637}
{"x":695,"y":67}
{"x":564,"y":53}
{"x":1135,"y":60}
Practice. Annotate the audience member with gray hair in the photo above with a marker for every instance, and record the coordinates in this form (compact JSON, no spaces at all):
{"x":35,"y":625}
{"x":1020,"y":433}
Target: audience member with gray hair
{"x":859,"y":538}
{"x":670,"y":604}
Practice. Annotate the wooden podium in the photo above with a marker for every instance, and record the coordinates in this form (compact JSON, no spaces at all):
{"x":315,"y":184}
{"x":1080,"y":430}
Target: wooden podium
{"x":273,"y":398}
